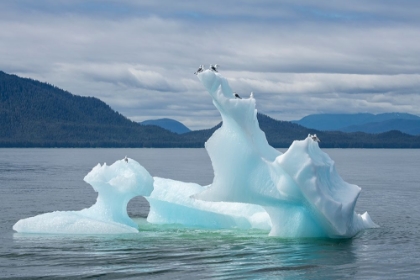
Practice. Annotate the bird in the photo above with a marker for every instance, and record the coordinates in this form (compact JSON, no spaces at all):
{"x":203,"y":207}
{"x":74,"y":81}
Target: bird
{"x":236,"y":95}
{"x":213,"y":67}
{"x":315,"y":138}
{"x":126,"y":159}
{"x":252,"y":95}
{"x":199,"y":70}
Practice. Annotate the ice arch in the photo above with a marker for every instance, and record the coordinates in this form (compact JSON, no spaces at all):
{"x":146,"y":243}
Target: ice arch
{"x":116,"y":185}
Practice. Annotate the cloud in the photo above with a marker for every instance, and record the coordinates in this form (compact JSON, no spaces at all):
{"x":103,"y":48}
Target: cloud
{"x":126,"y":75}
{"x":326,"y":83}
{"x":139,"y":56}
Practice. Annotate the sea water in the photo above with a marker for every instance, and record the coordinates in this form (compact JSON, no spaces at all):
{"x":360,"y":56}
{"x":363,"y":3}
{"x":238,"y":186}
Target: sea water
{"x":35,"y":181}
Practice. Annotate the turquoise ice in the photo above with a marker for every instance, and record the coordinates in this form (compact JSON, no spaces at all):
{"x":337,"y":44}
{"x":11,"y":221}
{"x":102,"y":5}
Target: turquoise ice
{"x":295,"y":194}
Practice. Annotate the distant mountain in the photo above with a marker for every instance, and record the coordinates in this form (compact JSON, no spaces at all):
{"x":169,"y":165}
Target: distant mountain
{"x":368,"y":123}
{"x":168,"y":124}
{"x":281,"y":134}
{"x":408,"y":126}
{"x":35,"y":114}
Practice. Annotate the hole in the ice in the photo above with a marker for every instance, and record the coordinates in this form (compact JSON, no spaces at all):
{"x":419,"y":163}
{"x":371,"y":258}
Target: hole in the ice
{"x":138,"y":207}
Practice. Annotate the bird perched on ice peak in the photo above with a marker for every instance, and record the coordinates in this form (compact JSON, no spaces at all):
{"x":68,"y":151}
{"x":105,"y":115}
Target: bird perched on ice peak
{"x":314,"y":137}
{"x":214,"y":67}
{"x":236,"y":95}
{"x":252,"y":95}
{"x":126,"y":159}
{"x":199,"y":70}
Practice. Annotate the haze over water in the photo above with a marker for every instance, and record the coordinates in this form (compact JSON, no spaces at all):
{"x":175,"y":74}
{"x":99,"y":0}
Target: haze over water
{"x":35,"y":181}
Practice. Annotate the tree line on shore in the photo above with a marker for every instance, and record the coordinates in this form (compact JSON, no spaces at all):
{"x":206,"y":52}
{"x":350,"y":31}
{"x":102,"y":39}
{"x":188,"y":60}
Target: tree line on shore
{"x":35,"y":114}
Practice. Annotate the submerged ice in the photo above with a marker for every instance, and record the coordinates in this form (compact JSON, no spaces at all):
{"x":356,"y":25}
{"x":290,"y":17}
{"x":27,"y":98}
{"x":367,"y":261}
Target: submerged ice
{"x":295,"y":194}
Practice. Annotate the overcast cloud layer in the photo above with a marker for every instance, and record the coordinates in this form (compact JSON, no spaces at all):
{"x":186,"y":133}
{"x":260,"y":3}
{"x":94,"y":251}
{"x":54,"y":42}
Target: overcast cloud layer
{"x":298,"y":59}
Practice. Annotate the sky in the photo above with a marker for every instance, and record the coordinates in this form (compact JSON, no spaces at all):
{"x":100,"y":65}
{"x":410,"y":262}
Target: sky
{"x":298,"y":57}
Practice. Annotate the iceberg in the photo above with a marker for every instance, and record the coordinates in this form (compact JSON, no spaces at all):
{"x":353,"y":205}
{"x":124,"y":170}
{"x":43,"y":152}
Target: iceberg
{"x":116,"y":185}
{"x":295,"y":194}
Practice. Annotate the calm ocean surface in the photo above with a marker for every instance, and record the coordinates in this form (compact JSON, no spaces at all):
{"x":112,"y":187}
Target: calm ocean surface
{"x":35,"y":181}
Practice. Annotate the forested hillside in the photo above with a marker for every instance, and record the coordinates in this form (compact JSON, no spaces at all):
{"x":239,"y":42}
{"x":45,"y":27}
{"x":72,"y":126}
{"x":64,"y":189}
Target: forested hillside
{"x":35,"y":114}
